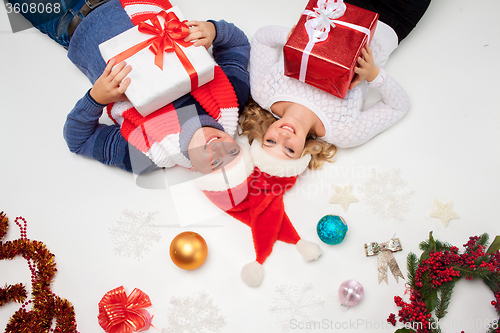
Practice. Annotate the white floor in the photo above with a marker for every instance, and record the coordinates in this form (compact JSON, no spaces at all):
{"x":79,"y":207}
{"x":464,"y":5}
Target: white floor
{"x":445,"y":148}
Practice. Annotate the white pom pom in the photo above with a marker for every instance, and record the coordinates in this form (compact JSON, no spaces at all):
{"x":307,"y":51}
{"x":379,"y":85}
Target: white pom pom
{"x":310,"y":251}
{"x":252,"y":274}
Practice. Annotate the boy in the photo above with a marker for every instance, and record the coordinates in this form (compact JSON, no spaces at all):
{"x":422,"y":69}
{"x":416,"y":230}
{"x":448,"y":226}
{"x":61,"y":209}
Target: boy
{"x":142,"y":145}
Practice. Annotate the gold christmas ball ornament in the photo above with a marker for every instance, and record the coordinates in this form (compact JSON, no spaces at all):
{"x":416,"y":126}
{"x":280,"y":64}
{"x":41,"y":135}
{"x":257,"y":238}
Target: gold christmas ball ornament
{"x":188,"y":250}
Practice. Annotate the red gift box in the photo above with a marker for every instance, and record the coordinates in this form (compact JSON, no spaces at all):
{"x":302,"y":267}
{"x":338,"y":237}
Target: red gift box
{"x":326,"y":59}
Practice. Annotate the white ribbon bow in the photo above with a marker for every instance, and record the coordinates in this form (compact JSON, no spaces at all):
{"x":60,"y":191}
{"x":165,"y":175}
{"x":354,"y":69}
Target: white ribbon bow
{"x":318,"y":24}
{"x":321,"y":18}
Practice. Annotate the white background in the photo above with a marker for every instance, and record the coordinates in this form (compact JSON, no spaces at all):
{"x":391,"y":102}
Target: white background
{"x":446,"y":147}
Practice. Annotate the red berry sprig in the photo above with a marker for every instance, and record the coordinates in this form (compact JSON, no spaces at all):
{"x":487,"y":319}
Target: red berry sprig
{"x":414,"y":312}
{"x":438,"y":268}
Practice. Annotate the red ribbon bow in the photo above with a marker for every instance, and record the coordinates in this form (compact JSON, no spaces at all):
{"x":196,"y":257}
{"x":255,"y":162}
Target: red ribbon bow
{"x":167,"y":38}
{"x":121,"y":314}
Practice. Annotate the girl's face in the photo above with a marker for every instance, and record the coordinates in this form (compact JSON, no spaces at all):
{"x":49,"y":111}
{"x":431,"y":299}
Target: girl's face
{"x":285,"y":139}
{"x":211,"y":149}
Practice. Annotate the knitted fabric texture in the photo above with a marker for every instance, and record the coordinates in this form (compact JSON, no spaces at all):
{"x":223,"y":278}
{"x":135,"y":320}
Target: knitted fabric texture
{"x":345,"y":121}
{"x":141,"y":10}
{"x":158,"y":134}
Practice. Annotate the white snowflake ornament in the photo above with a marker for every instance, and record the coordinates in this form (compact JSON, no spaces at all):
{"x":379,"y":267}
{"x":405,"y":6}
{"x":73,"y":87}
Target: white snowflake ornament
{"x":298,"y":304}
{"x":387,"y":195}
{"x":194,"y":314}
{"x":134,"y":233}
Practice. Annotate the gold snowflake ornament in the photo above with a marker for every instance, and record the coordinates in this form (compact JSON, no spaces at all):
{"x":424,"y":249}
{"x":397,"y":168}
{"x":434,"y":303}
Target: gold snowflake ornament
{"x":444,"y":212}
{"x":343,"y":196}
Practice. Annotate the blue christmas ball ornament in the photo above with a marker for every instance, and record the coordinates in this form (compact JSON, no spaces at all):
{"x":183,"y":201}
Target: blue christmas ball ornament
{"x":331,"y":229}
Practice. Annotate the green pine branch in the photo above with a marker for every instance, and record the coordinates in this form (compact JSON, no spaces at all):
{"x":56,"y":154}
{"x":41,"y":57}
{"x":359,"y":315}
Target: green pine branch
{"x":492,"y":284}
{"x":434,"y":245}
{"x":483,"y":240}
{"x":426,"y":290}
{"x":428,"y":245}
{"x":480,"y":273}
{"x":412,"y":264}
{"x":445,"y":293}
{"x":444,"y":246}
{"x":424,"y":245}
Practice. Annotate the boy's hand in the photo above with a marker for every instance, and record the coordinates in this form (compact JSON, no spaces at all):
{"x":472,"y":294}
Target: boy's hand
{"x":203,"y":33}
{"x":366,"y":69}
{"x":110,"y":87}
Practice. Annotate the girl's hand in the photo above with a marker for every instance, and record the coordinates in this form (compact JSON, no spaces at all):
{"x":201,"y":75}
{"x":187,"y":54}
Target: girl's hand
{"x":202,"y":32}
{"x":366,"y":69}
{"x":110,"y":87}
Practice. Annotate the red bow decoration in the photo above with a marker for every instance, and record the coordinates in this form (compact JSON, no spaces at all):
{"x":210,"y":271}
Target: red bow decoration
{"x":167,"y":38}
{"x":121,"y":314}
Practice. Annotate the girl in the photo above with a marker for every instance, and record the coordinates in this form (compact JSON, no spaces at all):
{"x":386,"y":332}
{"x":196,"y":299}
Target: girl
{"x":303,"y":113}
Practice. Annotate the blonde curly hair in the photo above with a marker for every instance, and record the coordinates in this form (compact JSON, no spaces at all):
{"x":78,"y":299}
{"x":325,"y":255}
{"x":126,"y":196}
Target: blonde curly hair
{"x":255,"y":121}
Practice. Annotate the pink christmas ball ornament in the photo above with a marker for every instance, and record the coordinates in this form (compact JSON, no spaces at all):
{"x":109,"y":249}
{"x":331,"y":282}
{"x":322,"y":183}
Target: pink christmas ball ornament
{"x":351,"y":292}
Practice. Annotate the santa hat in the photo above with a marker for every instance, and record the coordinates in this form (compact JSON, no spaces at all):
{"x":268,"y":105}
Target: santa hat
{"x":229,"y":186}
{"x":252,"y":192}
{"x":275,"y":166}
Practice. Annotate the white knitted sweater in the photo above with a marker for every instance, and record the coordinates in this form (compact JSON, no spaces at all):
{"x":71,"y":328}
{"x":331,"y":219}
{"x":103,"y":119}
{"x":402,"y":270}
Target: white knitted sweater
{"x":346,"y":124}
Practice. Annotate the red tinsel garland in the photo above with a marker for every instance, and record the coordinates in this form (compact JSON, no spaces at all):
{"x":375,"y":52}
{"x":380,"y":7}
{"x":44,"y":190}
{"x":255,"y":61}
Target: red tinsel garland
{"x":45,"y":305}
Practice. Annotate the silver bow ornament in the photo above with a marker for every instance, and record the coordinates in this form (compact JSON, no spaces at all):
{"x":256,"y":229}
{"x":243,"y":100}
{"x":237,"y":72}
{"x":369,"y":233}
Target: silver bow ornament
{"x":385,"y":258}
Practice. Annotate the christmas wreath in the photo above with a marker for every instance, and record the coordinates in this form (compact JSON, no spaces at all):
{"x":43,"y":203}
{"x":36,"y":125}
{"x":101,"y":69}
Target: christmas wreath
{"x":432,"y":278}
{"x":45,"y":312}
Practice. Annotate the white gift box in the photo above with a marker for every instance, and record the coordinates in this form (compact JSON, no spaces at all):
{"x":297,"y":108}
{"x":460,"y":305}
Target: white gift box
{"x":151,"y":88}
